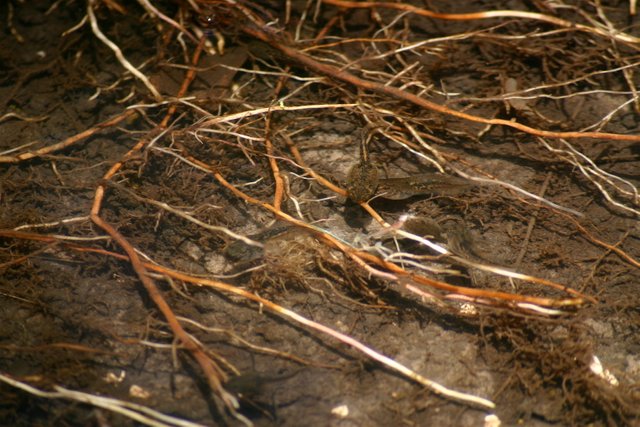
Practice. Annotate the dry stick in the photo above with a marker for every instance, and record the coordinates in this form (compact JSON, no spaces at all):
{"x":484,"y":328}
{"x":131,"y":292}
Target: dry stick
{"x":212,"y":372}
{"x":338,"y":74}
{"x":67,"y":142}
{"x":618,"y":35}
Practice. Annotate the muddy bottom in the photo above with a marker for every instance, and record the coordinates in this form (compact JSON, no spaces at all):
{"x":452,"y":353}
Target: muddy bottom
{"x":489,"y":259}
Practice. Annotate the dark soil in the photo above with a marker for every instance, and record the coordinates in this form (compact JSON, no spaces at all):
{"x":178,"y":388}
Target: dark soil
{"x":73,"y":315}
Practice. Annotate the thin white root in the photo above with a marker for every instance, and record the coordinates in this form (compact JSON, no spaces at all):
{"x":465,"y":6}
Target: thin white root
{"x":126,"y":64}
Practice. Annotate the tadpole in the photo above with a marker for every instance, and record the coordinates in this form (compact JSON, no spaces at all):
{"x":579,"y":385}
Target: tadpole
{"x":363,"y":181}
{"x":425,"y":183}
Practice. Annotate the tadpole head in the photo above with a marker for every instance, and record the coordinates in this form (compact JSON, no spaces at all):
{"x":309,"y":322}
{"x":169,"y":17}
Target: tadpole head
{"x":362,"y":182}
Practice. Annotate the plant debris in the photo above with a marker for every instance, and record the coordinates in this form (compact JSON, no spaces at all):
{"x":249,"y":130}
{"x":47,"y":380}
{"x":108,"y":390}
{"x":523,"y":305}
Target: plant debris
{"x":256,"y":213}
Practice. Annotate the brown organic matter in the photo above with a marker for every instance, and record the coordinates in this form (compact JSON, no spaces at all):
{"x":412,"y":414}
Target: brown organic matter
{"x":319,"y":212}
